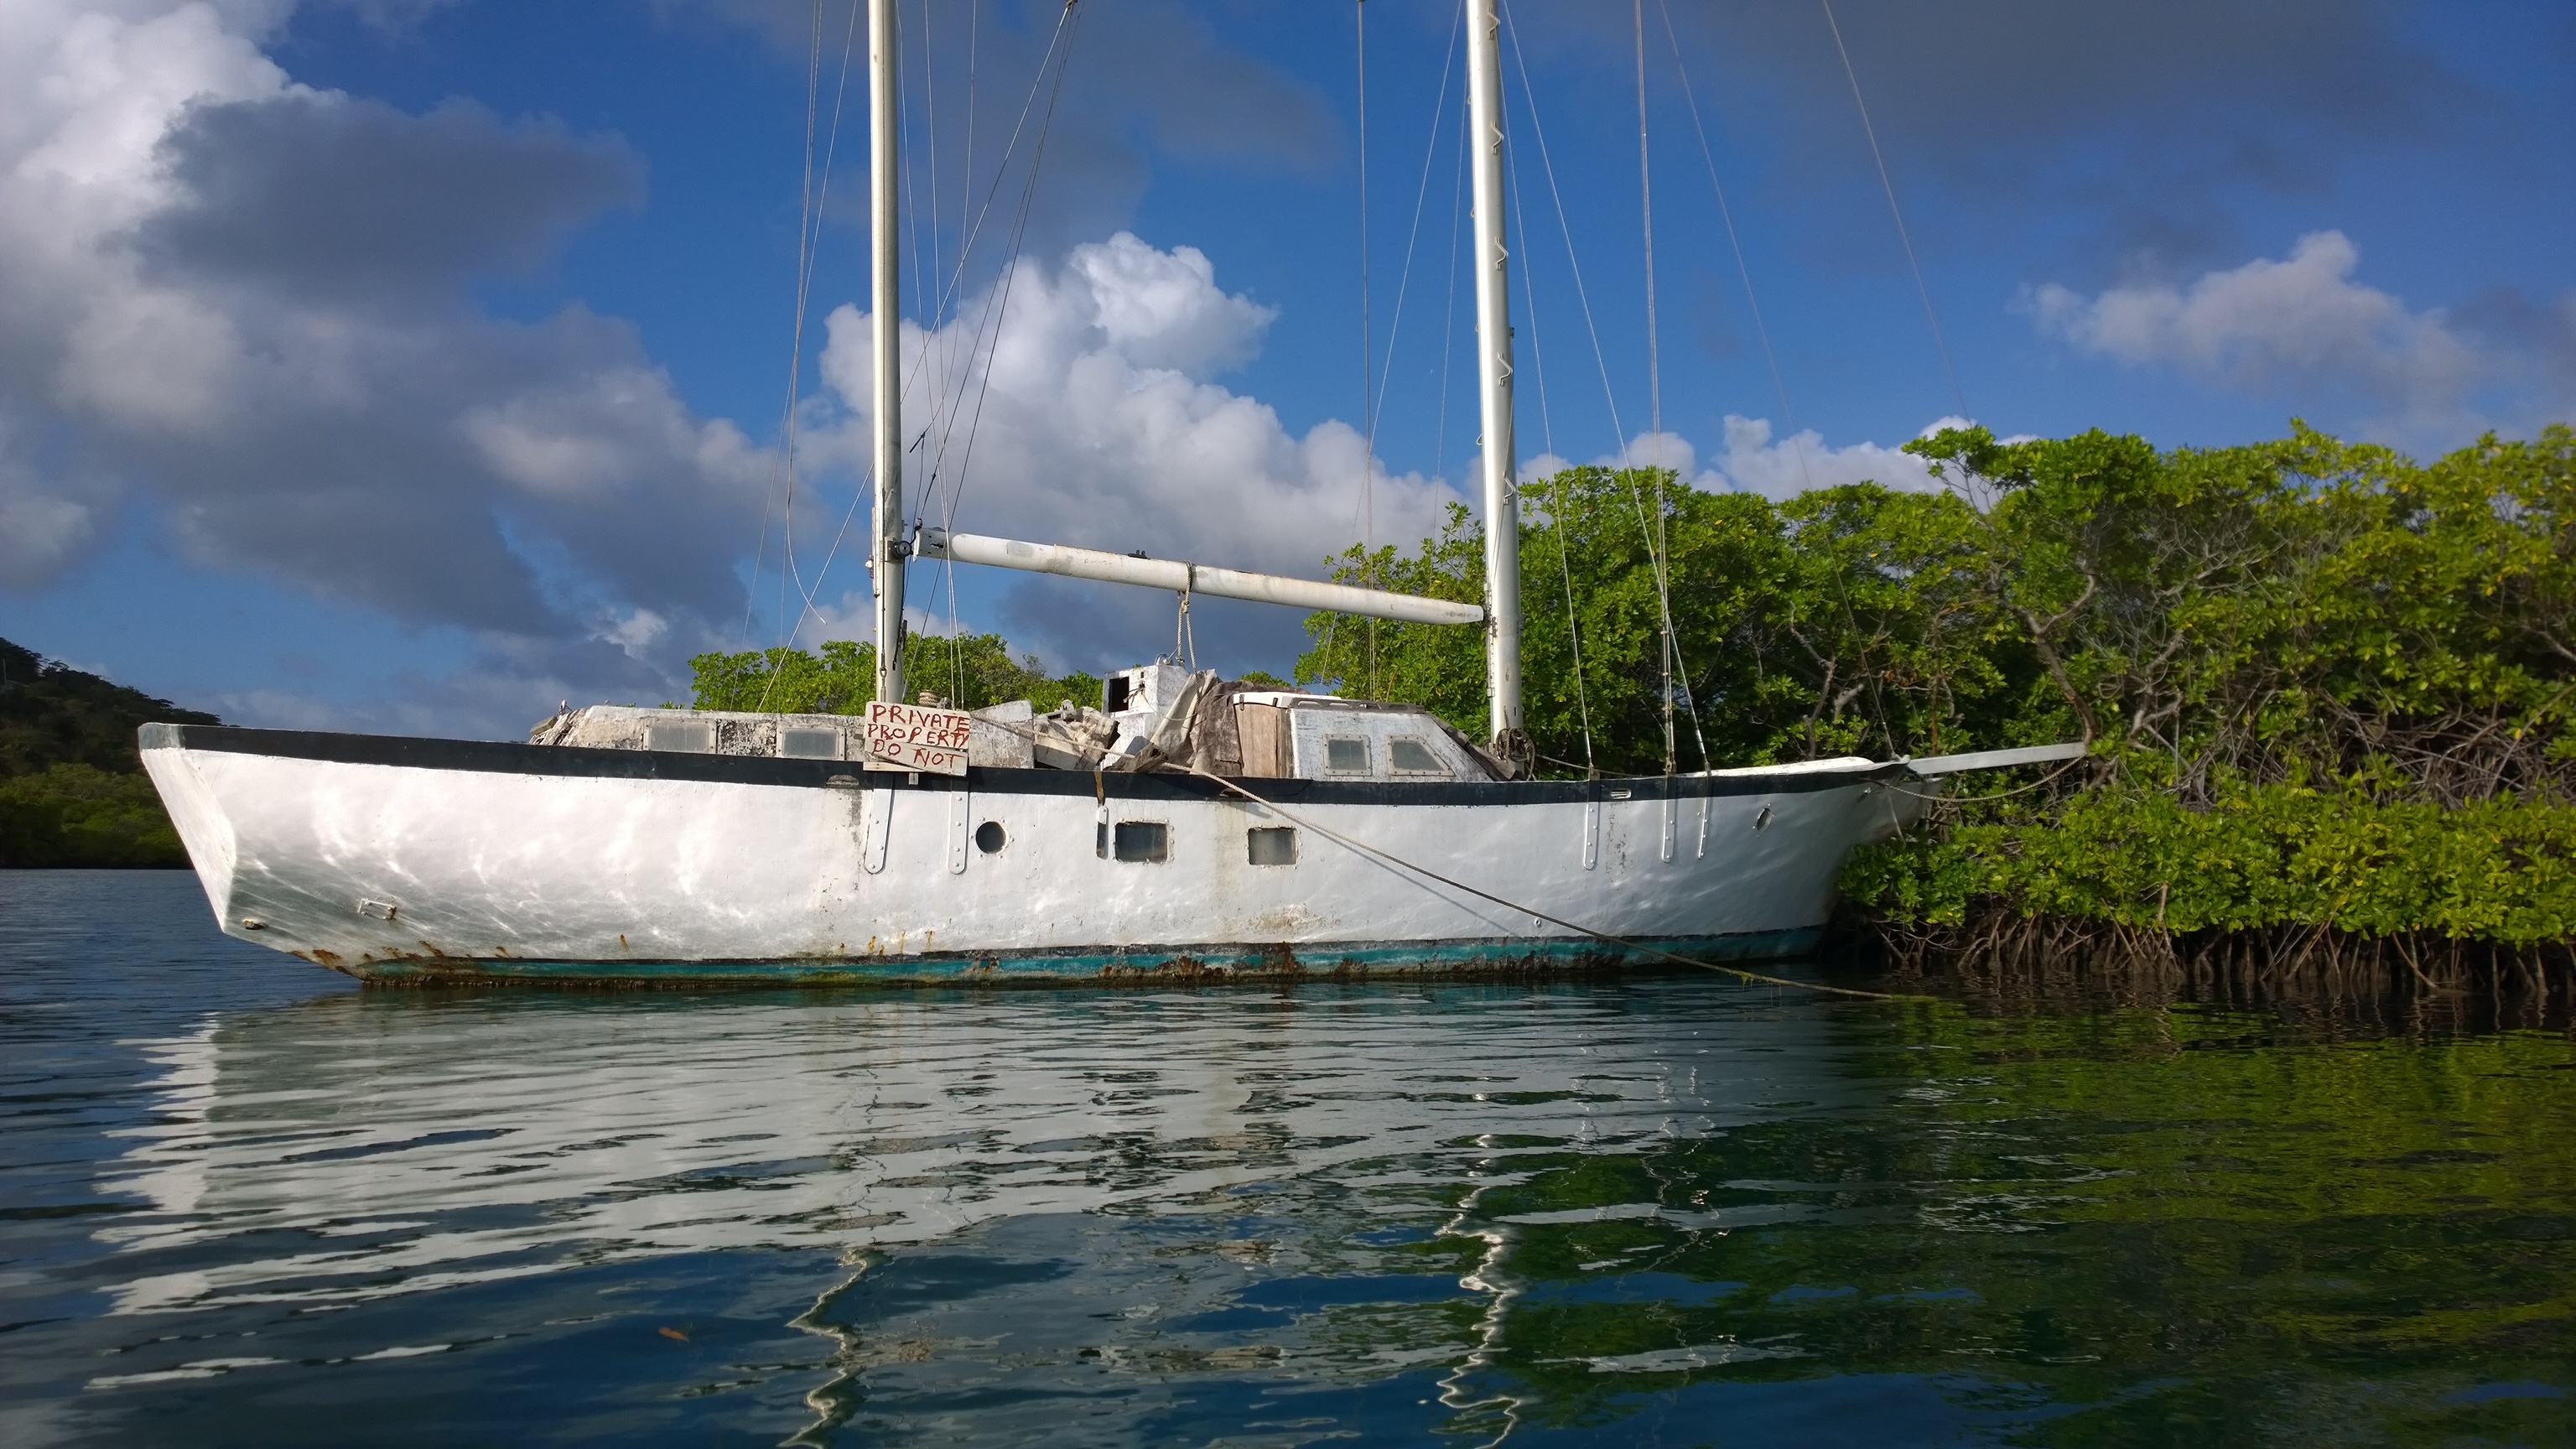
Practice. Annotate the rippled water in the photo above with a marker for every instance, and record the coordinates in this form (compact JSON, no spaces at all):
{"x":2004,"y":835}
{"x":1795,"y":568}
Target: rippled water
{"x":243,"y":1202}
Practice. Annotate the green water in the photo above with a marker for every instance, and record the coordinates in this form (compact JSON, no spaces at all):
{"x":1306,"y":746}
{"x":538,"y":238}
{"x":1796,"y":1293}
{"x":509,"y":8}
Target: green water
{"x":242,"y":1202}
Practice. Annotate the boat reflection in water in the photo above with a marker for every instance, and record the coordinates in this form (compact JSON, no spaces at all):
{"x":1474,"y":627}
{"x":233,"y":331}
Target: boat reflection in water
{"x":405,"y":1144}
{"x":1627,"y":1208}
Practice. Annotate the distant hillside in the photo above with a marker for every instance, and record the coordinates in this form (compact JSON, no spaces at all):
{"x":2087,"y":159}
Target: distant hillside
{"x":72,"y":788}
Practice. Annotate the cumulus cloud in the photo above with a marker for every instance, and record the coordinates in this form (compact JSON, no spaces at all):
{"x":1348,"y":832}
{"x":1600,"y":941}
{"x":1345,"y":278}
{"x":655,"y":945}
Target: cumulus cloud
{"x":250,"y":301}
{"x":1093,"y":421}
{"x":1749,"y":461}
{"x":2298,"y":325}
{"x":1753,"y":463}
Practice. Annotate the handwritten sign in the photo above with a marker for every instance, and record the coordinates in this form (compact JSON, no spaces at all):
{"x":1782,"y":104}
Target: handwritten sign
{"x":915,"y":737}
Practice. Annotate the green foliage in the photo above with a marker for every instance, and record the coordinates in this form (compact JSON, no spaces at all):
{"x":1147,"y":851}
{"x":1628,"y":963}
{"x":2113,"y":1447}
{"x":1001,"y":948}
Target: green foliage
{"x":75,"y":814}
{"x":1838,"y":622}
{"x":2324,"y":685}
{"x":971,"y":671}
{"x":2500,"y":871}
{"x":2289,"y":612}
{"x":72,"y":788}
{"x":51,"y":712}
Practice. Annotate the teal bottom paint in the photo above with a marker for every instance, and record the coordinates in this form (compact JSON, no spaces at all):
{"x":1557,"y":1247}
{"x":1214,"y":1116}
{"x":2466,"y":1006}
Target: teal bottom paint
{"x":1095,"y":966}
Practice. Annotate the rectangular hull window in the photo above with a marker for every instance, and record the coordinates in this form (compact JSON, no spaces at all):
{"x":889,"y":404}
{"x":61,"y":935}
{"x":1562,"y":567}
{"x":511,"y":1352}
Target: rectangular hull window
{"x":1272,"y":845}
{"x":1344,"y":755}
{"x":1413,"y":757}
{"x":1141,"y":840}
{"x":809,"y":744}
{"x":688,"y":737}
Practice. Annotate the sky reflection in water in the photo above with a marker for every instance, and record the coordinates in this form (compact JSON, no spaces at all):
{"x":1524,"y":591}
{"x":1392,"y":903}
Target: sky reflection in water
{"x":245,"y":1204}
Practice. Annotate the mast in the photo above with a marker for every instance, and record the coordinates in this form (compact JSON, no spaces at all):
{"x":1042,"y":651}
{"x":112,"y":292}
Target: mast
{"x":885,"y":318}
{"x":1494,"y":382}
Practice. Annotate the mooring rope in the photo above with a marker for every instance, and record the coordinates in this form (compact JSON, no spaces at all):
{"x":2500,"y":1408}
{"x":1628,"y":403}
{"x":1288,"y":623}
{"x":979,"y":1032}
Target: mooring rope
{"x":1623,"y":943}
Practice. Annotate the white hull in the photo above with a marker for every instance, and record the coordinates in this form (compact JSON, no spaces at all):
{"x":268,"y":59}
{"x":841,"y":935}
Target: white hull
{"x":438,"y":860}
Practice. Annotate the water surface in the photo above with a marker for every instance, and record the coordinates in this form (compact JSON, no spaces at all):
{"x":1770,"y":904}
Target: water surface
{"x":242,"y":1201}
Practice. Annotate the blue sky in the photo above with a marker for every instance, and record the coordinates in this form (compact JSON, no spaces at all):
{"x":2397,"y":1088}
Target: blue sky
{"x":409,"y":366}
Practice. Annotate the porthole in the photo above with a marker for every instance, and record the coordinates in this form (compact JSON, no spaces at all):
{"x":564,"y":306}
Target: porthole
{"x":990,"y":837}
{"x":1271,"y":845}
{"x":1141,"y":840}
{"x":1763,"y":819}
{"x":1346,"y":755}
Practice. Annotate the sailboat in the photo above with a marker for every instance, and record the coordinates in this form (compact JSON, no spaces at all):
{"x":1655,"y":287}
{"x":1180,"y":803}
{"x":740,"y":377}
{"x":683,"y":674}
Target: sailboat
{"x":1185,"y":830}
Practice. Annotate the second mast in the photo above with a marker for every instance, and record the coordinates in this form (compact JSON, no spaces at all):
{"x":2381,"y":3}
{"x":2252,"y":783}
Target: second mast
{"x":1494,"y":379}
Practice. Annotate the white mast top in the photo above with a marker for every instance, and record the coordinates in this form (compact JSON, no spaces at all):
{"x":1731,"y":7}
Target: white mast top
{"x":886,"y":554}
{"x":1494,"y":382}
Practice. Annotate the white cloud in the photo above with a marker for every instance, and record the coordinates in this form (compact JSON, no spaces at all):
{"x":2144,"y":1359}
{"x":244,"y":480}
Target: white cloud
{"x":2297,"y":324}
{"x":1750,"y":462}
{"x":250,"y":301}
{"x":1101,"y":429}
{"x":1753,"y":463}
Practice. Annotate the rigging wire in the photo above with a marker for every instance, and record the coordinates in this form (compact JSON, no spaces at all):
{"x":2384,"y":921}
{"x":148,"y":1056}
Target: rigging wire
{"x":808,"y":238}
{"x":1601,"y":361}
{"x":932,"y":322}
{"x":1892,"y":209}
{"x":1375,"y":409}
{"x":1725,"y":214}
{"x":948,"y":348}
{"x":1744,"y":274}
{"x":1368,"y":420}
{"x":1654,"y":365}
{"x":1057,"y":58}
{"x":949,"y":292}
{"x":1547,"y":434}
{"x":810,"y":249}
{"x":999,"y":306}
{"x":1449,"y":318}
{"x":796,"y":353}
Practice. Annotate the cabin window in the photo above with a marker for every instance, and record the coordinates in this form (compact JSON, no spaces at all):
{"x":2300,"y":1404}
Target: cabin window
{"x":990,"y":837}
{"x":1141,"y":840}
{"x":1271,"y":845}
{"x":688,"y":737}
{"x":1346,"y":755}
{"x":1114,"y":694}
{"x":809,"y":744}
{"x":1412,"y":757}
